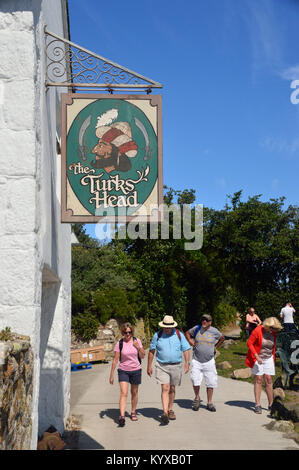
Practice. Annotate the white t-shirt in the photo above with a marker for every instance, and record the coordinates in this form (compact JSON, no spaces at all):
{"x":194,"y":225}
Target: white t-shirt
{"x":287,"y":314}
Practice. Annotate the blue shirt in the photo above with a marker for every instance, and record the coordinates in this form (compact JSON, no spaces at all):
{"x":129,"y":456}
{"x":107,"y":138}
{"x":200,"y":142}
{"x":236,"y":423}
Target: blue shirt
{"x":169,"y":348}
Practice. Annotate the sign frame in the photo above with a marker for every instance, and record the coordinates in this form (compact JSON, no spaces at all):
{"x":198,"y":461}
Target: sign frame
{"x":67,"y":213}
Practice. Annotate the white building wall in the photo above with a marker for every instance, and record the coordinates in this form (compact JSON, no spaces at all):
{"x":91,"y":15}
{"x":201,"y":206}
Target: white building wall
{"x":35,"y":248}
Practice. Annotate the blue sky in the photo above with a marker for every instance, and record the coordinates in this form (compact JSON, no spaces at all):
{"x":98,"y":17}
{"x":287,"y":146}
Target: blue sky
{"x":226,"y":67}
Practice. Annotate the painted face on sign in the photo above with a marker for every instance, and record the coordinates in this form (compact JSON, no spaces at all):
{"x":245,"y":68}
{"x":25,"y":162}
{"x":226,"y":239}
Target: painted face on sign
{"x":109,"y":157}
{"x":102,"y":149}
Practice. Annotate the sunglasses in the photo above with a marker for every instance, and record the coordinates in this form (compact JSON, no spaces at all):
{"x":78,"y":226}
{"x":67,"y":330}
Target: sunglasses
{"x":128,"y":332}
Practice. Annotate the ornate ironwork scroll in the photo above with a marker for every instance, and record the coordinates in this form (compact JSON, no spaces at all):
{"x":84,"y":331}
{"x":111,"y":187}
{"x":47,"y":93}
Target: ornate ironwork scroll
{"x":71,"y":65}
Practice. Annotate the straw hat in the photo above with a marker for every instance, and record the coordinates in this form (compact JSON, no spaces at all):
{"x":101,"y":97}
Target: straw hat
{"x":168,"y":322}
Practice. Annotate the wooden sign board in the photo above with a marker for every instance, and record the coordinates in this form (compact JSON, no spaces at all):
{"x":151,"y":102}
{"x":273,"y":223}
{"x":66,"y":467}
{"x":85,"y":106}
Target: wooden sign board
{"x":111,"y":148}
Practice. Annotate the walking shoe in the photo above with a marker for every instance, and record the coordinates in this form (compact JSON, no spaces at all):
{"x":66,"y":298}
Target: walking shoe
{"x":211,"y":407}
{"x":258,"y":409}
{"x":195,"y":404}
{"x":164,"y":418}
{"x":121,"y":421}
{"x":171,"y":414}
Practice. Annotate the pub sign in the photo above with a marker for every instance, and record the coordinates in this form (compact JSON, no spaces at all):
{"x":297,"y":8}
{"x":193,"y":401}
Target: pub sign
{"x":111,"y":148}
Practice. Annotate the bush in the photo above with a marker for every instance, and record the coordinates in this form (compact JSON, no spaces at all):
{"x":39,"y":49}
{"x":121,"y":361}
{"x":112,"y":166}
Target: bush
{"x":113,"y":303}
{"x":223,"y":314}
{"x":85,"y":326}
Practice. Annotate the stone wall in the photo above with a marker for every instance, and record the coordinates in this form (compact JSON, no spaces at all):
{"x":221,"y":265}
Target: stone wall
{"x":16,"y":391}
{"x":110,"y":333}
{"x":35,"y":261}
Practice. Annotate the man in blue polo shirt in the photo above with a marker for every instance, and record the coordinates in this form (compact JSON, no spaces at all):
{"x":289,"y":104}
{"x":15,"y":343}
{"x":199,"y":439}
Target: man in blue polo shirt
{"x":169,"y":344}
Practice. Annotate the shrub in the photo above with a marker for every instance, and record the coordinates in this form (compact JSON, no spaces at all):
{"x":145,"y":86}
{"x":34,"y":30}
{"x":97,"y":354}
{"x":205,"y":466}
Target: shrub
{"x":85,"y":326}
{"x":223,"y":314}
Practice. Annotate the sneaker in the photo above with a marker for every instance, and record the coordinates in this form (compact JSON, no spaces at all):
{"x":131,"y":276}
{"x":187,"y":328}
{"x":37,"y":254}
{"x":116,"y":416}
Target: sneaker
{"x":121,"y":421}
{"x":171,"y":414}
{"x":258,"y":409}
{"x":211,"y":407}
{"x":195,"y":404}
{"x":164,"y":418}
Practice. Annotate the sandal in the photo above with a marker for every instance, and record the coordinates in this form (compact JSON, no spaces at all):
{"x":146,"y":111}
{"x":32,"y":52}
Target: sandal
{"x":164,"y":418}
{"x":211,"y":407}
{"x":121,"y":421}
{"x":195,"y":404}
{"x":134,"y":417}
{"x":171,"y":414}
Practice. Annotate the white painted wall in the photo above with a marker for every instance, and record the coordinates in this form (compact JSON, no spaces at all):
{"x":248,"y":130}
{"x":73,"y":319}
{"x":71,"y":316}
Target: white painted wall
{"x":35,"y":248}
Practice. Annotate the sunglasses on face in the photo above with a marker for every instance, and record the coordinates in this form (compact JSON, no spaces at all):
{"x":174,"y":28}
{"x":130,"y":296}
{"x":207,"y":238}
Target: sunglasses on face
{"x":128,"y":332}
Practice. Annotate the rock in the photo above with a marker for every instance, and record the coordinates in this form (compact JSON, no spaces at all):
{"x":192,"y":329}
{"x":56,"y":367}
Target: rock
{"x":224,"y":365}
{"x":282,"y":426}
{"x":292,"y":435}
{"x":278,"y":392}
{"x":241,"y":373}
{"x":228,"y":343}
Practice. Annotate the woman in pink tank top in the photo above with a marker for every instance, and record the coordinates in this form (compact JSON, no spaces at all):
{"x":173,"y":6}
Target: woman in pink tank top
{"x":129,"y":352}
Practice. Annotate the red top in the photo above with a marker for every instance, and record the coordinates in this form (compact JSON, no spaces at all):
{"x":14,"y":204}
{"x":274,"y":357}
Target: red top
{"x":254,"y":344}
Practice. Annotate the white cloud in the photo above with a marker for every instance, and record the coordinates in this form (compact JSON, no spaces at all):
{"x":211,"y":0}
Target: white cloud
{"x":278,"y":145}
{"x":266,"y":40}
{"x":290,"y":73}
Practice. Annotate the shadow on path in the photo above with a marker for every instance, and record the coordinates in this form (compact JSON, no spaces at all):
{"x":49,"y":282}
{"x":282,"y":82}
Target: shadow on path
{"x":249,"y":405}
{"x":113,"y":413}
{"x":76,"y":440}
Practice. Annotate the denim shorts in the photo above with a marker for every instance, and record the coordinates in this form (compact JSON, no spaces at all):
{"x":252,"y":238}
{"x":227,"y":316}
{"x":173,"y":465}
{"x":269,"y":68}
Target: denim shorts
{"x":132,"y":376}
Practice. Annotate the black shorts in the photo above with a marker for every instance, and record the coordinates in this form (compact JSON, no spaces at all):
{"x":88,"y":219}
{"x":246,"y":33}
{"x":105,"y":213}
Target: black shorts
{"x":131,"y":376}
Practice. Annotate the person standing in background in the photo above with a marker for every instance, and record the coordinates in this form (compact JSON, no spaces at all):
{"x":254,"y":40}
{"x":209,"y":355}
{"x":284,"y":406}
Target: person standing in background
{"x":286,"y":314}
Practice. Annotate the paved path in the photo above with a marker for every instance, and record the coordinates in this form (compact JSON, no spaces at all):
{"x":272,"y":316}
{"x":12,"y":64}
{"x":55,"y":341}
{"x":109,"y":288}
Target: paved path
{"x":233,"y":427}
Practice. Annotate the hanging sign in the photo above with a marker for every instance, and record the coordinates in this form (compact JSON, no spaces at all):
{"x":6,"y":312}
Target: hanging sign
{"x":111,"y":148}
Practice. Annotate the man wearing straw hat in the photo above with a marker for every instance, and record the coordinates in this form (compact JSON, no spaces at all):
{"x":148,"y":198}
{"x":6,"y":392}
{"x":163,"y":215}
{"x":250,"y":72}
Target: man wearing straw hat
{"x":169,"y":344}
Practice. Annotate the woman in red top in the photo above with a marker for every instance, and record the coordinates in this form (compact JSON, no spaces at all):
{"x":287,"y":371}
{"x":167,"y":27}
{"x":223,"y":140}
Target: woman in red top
{"x":261,"y":358}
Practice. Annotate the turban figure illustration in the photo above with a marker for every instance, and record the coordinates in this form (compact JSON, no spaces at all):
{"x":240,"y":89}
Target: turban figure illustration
{"x":115,"y":146}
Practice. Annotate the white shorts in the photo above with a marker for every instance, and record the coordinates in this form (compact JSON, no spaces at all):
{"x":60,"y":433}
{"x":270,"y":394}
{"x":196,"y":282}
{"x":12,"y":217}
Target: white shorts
{"x":206,"y":370}
{"x":267,"y":367}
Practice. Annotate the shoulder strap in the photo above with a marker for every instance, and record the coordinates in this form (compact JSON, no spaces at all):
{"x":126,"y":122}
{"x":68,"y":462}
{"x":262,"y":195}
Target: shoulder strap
{"x":176,"y":330}
{"x":121,"y":342}
{"x":135,"y":339}
{"x":197,"y":330}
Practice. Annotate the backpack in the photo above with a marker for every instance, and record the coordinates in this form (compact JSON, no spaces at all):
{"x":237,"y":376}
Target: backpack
{"x":197,"y":330}
{"x":121,"y":343}
{"x":176,"y":330}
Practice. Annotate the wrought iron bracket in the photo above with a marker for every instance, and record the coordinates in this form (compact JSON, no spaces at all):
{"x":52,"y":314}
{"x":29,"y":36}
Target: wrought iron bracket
{"x":70,"y":65}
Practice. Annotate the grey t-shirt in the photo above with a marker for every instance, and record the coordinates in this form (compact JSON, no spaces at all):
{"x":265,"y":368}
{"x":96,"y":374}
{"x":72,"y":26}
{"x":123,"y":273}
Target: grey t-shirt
{"x":205,"y":341}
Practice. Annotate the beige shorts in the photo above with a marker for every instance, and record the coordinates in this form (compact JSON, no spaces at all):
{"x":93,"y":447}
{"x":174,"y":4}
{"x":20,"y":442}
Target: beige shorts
{"x":169,"y":373}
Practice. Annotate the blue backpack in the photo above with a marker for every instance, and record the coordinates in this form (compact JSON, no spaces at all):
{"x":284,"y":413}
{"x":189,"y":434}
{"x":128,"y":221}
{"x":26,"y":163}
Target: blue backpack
{"x":197,"y":330}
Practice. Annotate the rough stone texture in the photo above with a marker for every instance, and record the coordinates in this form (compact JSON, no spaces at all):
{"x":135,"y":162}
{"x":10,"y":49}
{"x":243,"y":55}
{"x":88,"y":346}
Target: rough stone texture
{"x":282,"y":426}
{"x":32,"y":238}
{"x":228,"y":343}
{"x":16,"y":391}
{"x":224,"y":365}
{"x":241,"y":373}
{"x":109,"y":334}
